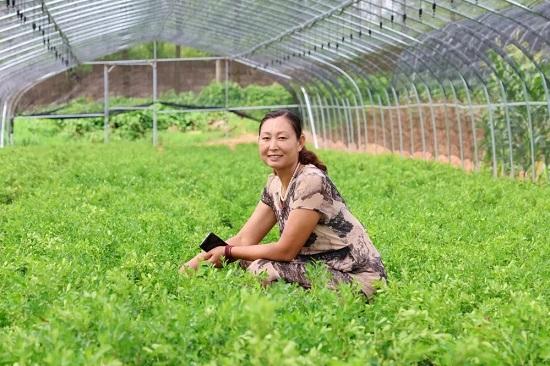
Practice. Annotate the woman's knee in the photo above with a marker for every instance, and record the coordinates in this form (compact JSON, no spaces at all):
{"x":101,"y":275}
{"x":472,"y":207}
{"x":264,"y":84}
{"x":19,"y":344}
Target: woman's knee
{"x":264,"y":268}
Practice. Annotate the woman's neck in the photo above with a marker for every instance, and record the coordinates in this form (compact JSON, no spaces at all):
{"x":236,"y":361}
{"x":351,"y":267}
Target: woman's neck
{"x":285,"y":175}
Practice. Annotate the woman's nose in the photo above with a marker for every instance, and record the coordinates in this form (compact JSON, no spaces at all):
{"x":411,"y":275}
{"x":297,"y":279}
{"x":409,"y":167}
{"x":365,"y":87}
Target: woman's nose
{"x":273,"y":144}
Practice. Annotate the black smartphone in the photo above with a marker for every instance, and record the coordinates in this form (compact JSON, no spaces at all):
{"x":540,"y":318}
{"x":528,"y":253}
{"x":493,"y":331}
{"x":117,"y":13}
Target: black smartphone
{"x":211,"y":241}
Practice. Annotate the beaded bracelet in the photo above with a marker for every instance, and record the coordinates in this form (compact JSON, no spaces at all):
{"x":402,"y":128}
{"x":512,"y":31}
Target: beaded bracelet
{"x":227,"y":252}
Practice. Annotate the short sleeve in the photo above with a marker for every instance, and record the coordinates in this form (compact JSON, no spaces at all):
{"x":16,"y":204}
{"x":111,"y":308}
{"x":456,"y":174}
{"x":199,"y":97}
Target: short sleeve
{"x":267,"y":197}
{"x":311,"y":193}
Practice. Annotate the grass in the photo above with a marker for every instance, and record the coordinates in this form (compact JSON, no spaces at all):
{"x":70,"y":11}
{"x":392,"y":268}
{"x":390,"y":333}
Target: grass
{"x":92,"y":235}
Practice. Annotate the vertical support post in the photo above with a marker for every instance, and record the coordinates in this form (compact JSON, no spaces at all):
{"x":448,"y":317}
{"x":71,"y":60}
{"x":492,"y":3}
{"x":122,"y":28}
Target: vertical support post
{"x":336,"y":120}
{"x":531,"y":135}
{"x":492,"y":131}
{"x":310,"y":117}
{"x":411,"y":124}
{"x":382,"y":119}
{"x":508,"y":127}
{"x":155,"y":126}
{"x":11,"y":124}
{"x":105,"y":104}
{"x":3,"y":123}
{"x":301,"y":104}
{"x":218,"y":71}
{"x":421,"y":115}
{"x":327,"y":136}
{"x":315,"y":113}
{"x":447,"y":127}
{"x":340,"y":121}
{"x":547,"y":93}
{"x":434,"y":128}
{"x":373,"y":123}
{"x":459,"y":125}
{"x":357,"y":122}
{"x":399,"y":122}
{"x":390,"y":113}
{"x":330,"y":118}
{"x":323,"y":123}
{"x":365,"y":125}
{"x":226,"y":83}
{"x":177,"y":75}
{"x":473,"y":122}
{"x":349,"y":120}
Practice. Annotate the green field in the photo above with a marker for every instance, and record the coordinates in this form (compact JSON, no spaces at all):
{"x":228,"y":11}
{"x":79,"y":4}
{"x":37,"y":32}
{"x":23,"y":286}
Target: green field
{"x":92,"y":235}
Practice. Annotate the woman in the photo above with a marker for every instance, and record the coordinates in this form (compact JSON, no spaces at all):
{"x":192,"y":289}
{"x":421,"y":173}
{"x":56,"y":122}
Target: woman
{"x":313,"y":219}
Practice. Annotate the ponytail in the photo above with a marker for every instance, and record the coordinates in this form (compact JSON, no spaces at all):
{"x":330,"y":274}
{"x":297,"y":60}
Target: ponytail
{"x":308,"y":157}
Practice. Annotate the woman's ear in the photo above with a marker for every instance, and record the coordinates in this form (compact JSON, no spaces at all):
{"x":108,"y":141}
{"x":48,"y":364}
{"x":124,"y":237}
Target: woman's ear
{"x":301,"y":142}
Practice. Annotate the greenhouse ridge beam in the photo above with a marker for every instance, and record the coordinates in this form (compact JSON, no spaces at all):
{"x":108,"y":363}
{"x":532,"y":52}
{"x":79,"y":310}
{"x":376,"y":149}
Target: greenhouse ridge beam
{"x":298,"y":28}
{"x":66,"y":41}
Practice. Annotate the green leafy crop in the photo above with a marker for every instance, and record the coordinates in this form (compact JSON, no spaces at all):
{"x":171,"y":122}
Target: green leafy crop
{"x":92,"y":235}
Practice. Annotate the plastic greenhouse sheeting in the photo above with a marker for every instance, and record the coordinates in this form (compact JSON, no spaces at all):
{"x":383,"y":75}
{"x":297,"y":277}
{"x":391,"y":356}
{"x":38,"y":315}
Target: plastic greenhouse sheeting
{"x":403,"y":75}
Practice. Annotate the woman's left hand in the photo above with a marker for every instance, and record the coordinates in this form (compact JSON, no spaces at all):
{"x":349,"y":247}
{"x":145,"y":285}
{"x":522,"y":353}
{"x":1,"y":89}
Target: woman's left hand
{"x":215,"y":256}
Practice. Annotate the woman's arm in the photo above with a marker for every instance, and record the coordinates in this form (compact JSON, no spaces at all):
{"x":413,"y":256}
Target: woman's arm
{"x":254,"y":230}
{"x":298,"y":228}
{"x":256,"y":227}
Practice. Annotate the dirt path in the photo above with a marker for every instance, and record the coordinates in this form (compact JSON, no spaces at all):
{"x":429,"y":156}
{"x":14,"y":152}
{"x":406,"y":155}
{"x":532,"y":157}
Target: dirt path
{"x":232,"y":142}
{"x":250,"y":138}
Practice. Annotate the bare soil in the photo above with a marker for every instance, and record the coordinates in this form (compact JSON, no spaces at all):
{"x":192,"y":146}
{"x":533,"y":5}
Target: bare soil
{"x":418,"y":134}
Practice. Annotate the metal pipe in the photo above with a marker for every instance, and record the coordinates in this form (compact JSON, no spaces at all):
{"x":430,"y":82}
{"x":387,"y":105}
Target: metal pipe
{"x":531,"y":137}
{"x":421,"y":115}
{"x":310,"y":117}
{"x":459,"y":127}
{"x":349,"y":120}
{"x":105,"y":104}
{"x":508,"y":128}
{"x":382,"y":120}
{"x":411,"y":128}
{"x":434,"y":128}
{"x":3,"y":123}
{"x":399,"y":122}
{"x":357,"y":122}
{"x":472,"y":121}
{"x":492,"y":131}
{"x":154,"y":65}
{"x":226,"y":86}
{"x":391,"y":120}
{"x":323,"y":125}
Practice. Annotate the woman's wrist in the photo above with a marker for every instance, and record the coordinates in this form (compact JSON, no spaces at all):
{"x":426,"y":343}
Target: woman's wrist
{"x":227,"y":252}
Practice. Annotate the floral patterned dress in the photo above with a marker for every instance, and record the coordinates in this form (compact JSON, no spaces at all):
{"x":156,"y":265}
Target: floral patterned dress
{"x":339,"y":240}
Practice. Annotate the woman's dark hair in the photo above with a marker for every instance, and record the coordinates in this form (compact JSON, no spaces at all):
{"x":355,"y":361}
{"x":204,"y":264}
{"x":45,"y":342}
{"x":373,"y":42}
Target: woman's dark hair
{"x":305,"y":156}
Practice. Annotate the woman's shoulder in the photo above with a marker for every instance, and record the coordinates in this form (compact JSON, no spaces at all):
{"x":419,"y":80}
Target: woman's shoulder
{"x":271,"y":178}
{"x":311,"y":172}
{"x":314,"y":179}
{"x":311,"y":179}
{"x":312,"y":169}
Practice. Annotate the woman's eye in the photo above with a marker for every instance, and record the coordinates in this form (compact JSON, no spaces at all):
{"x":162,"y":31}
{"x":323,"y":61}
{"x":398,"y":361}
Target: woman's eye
{"x":282,"y":138}
{"x":265,"y":138}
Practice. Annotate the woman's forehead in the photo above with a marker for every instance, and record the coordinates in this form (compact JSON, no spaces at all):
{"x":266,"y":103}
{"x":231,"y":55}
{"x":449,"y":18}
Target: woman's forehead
{"x":275,"y":125}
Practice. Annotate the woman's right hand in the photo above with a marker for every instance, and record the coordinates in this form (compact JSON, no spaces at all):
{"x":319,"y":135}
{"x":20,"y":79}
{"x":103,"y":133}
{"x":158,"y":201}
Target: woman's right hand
{"x":193,"y":263}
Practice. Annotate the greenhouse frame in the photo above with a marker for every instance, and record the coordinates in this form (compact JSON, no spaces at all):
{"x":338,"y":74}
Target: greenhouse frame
{"x":463,"y":79}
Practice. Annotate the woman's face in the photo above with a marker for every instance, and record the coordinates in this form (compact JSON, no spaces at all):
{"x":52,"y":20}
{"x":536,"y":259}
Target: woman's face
{"x":278,"y":144}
